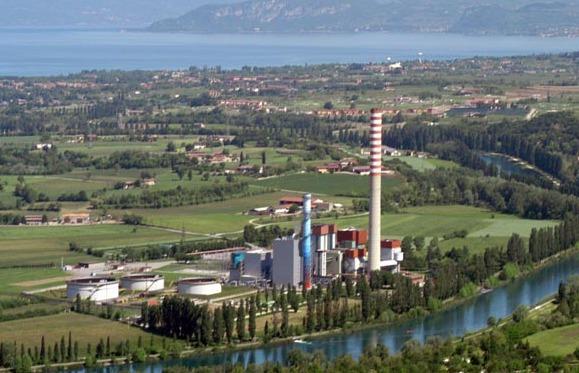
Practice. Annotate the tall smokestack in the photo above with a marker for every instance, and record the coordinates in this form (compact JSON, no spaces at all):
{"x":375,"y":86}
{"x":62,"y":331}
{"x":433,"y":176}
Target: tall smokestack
{"x":375,"y":189}
{"x":307,"y":240}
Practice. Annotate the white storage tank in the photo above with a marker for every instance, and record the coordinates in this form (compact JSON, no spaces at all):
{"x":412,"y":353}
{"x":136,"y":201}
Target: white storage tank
{"x":96,"y":289}
{"x":149,"y":282}
{"x":198,"y":286}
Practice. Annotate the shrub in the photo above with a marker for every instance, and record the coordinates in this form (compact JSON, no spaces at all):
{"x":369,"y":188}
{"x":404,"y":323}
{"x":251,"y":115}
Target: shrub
{"x":468,"y":290}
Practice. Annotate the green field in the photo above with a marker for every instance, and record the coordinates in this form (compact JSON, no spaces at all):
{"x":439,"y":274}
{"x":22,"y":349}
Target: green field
{"x":557,"y":342}
{"x":42,"y":245}
{"x":84,"y":329}
{"x":424,"y":164}
{"x":329,"y":184}
{"x":14,"y":281}
{"x":485,"y":228}
{"x":217,"y":217}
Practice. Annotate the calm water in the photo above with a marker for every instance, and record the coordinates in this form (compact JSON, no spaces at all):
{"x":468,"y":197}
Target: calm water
{"x":457,"y":321}
{"x":506,"y":166}
{"x":33,"y":52}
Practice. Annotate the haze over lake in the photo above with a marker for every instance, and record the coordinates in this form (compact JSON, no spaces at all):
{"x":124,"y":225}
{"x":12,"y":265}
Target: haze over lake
{"x":37,"y":52}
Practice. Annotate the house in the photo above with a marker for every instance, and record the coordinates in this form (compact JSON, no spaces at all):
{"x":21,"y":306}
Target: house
{"x":44,"y":147}
{"x":288,"y":200}
{"x":75,"y":218}
{"x":149,"y":182}
{"x":220,"y":158}
{"x":259,"y":211}
{"x":196,"y":155}
{"x":361,"y":170}
{"x":281,"y":209}
{"x":324,"y":207}
{"x":129,"y":185}
{"x":247,"y":169}
{"x":392,"y":152}
{"x":365,"y":171}
{"x":328,"y":168}
{"x":33,"y":219}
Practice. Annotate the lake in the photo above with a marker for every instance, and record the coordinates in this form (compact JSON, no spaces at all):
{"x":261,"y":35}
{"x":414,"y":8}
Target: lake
{"x":457,"y":321}
{"x":38,"y":52}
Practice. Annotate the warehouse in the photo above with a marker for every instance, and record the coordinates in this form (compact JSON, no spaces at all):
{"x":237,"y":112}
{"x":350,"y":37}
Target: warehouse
{"x":143,"y":282}
{"x":198,"y":286}
{"x":96,"y":289}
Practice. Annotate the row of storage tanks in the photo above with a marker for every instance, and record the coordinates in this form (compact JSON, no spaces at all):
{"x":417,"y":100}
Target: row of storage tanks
{"x":102,"y":289}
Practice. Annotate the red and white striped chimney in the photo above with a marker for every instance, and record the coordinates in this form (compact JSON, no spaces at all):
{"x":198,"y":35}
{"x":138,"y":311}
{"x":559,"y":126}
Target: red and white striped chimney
{"x":375,"y":189}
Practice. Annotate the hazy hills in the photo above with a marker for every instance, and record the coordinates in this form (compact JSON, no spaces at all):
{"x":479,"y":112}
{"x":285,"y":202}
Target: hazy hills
{"x":92,"y":13}
{"x":462,"y":16}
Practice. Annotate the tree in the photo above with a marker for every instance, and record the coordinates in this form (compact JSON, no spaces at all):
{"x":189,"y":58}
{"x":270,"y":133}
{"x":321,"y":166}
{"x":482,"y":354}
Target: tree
{"x":42,"y":349}
{"x":516,"y":249}
{"x":171,"y":147}
{"x":218,"y":325}
{"x":229,"y":317}
{"x":241,"y":321}
{"x":328,"y":105}
{"x":263,"y":158}
{"x":406,"y":244}
{"x":521,"y":313}
{"x":252,"y":318}
{"x":419,"y":242}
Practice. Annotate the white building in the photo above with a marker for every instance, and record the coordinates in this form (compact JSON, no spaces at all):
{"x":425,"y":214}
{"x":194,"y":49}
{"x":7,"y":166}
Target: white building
{"x":287,"y":262}
{"x":391,"y":255}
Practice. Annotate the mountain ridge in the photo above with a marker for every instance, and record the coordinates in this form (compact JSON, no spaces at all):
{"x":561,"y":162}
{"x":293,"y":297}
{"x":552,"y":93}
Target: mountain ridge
{"x":512,"y":17}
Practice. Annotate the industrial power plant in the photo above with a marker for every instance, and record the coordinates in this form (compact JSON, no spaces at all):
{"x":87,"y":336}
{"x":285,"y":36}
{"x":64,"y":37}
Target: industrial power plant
{"x":317,"y":254}
{"x":322,"y":252}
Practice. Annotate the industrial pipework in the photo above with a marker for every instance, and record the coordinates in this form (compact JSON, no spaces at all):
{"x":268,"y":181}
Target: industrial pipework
{"x":375,"y":189}
{"x":307,"y":241}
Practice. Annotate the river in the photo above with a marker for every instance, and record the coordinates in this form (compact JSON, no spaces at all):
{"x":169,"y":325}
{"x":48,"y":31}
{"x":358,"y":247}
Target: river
{"x":39,"y":52}
{"x":508,"y":167}
{"x":457,"y":321}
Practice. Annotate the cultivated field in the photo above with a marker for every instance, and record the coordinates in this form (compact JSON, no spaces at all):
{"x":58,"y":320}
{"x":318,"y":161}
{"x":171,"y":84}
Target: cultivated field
{"x":16,"y":280}
{"x":424,"y":164}
{"x":485,"y":228}
{"x":330,"y":184}
{"x":43,"y":245}
{"x":557,"y":342}
{"x":84,"y":329}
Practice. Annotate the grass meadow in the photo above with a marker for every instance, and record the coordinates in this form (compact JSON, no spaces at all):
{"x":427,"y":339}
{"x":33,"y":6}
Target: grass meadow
{"x":329,"y":184}
{"x":84,"y":329}
{"x":557,"y":342}
{"x":42,"y":245}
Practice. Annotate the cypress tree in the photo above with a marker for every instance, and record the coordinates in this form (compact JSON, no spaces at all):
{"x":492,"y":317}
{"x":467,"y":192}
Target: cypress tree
{"x":241,"y":321}
{"x":218,"y":326}
{"x":252,"y":318}
{"x":69,"y":347}
{"x":62,"y":349}
{"x":42,"y":349}
{"x":75,"y":351}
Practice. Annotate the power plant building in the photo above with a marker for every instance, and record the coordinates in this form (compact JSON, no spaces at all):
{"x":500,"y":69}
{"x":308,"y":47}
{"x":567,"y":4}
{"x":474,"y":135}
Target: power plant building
{"x":391,"y":255}
{"x":324,"y":239}
{"x":287,"y":262}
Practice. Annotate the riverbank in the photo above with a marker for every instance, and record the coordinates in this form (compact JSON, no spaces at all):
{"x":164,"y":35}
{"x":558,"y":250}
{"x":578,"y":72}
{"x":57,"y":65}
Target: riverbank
{"x":447,"y":322}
